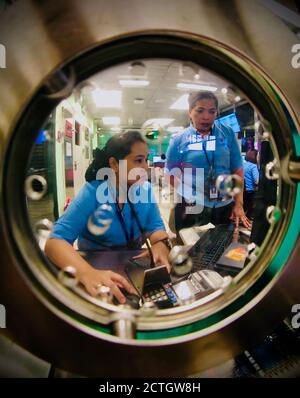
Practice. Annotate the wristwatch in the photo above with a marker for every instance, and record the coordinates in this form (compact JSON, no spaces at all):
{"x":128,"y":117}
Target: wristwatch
{"x":166,"y":241}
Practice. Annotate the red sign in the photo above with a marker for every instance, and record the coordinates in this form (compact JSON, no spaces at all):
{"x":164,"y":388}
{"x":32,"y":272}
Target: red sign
{"x":68,"y":129}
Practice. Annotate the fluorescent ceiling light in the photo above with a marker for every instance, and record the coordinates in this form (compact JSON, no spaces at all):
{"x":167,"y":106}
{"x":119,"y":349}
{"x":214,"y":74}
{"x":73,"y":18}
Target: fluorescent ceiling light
{"x":134,"y":83}
{"x":116,"y":129}
{"x":161,"y":121}
{"x":138,"y":101}
{"x":196,"y":86}
{"x":107,"y":98}
{"x":182,"y":103}
{"x":175,"y":129}
{"x":111,"y":120}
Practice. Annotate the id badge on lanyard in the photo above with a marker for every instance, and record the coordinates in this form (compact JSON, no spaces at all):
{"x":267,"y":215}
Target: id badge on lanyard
{"x":213,"y":192}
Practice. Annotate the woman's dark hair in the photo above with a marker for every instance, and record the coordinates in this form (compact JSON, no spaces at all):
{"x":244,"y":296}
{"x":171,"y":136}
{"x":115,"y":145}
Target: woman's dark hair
{"x":118,"y":147}
{"x":251,"y":156}
{"x":200,"y":95}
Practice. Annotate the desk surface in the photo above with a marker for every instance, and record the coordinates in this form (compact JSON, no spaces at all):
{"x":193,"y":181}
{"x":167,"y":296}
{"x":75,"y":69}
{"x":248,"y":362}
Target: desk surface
{"x":113,"y":260}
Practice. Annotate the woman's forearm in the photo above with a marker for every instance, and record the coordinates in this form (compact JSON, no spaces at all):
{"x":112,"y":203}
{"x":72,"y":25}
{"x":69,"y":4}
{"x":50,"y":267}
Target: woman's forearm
{"x":62,"y":254}
{"x":239,"y":197}
{"x":158,"y":236}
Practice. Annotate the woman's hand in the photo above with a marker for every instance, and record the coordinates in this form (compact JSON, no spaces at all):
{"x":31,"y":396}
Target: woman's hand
{"x":160,"y":255}
{"x":238,"y":215}
{"x":92,"y":279}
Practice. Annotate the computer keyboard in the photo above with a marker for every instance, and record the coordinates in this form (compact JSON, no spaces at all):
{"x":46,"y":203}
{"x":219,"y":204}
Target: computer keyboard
{"x":210,"y":246}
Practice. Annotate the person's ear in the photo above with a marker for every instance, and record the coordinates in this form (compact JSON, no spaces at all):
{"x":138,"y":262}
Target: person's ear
{"x":113,"y":164}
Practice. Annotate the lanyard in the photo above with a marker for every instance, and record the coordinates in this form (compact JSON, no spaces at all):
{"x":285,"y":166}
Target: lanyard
{"x":130,"y":238}
{"x":211,"y":165}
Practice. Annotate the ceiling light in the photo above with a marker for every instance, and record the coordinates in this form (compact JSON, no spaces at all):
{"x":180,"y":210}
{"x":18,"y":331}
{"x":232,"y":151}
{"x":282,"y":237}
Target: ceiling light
{"x":193,"y":86}
{"x":138,"y":101}
{"x":237,"y":98}
{"x":137,"y":68}
{"x":162,"y":122}
{"x":134,"y":83}
{"x":116,"y":129}
{"x":111,"y":120}
{"x":182,"y":103}
{"x":224,"y":90}
{"x":107,"y":98}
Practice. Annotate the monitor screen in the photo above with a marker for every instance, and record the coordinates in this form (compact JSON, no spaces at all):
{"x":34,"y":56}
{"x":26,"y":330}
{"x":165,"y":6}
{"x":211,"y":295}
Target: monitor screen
{"x":156,"y":159}
{"x":231,"y":121}
{"x":41,"y":137}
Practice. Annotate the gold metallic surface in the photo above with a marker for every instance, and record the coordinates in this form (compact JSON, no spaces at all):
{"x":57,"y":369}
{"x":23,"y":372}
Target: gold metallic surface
{"x":294,"y":170}
{"x":41,"y":36}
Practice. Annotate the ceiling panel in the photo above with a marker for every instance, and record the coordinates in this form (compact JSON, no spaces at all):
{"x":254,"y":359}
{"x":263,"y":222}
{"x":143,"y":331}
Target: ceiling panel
{"x":163,"y":75}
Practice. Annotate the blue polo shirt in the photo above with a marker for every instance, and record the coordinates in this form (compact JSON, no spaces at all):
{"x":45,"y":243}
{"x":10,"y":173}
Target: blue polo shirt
{"x":186,"y":150}
{"x":73,"y":223}
{"x":251,"y":175}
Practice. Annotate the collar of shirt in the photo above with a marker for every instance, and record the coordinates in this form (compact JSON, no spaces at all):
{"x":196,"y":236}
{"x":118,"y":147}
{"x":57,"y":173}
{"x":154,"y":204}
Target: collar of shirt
{"x":194,"y":131}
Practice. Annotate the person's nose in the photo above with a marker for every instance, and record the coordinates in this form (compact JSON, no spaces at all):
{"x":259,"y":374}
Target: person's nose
{"x":145,"y":165}
{"x":205,"y":115}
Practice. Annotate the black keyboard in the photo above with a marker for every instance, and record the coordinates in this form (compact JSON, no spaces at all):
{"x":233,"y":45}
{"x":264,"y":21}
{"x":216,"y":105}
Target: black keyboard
{"x":211,"y":245}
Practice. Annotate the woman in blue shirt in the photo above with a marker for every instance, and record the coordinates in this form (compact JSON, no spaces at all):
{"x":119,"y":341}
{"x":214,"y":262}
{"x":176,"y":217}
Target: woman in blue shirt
{"x":207,"y":149}
{"x":251,"y":180}
{"x":134,"y":212}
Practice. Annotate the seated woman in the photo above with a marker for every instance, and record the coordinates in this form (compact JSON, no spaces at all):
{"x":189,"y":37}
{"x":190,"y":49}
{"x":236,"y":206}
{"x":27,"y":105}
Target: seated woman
{"x":134,"y":214}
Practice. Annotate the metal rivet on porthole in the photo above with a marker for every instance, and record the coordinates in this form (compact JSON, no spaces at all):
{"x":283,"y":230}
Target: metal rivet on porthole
{"x":273,"y":214}
{"x":35,"y":187}
{"x":105,"y":294}
{"x":227,"y":281}
{"x":43,"y":228}
{"x":272,"y":171}
{"x":48,"y":136}
{"x":188,"y":300}
{"x":220,"y":183}
{"x":148,"y":308}
{"x":99,"y":222}
{"x":67,"y":276}
{"x":252,"y":251}
{"x":233,"y":184}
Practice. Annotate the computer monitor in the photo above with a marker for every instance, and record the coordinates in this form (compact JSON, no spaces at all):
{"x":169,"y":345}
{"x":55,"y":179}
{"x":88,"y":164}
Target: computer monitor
{"x":231,"y":121}
{"x":157,"y":159}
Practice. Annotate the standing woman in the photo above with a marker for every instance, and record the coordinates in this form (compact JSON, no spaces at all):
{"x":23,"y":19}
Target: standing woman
{"x":251,"y":180}
{"x":212,"y":147}
{"x":128,"y":216}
